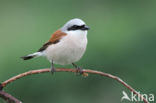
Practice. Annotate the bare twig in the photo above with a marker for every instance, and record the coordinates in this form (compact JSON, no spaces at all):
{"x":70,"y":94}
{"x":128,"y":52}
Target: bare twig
{"x":9,"y":98}
{"x":85,"y":71}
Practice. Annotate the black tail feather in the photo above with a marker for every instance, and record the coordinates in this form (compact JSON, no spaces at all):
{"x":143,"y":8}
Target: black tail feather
{"x":27,"y":57}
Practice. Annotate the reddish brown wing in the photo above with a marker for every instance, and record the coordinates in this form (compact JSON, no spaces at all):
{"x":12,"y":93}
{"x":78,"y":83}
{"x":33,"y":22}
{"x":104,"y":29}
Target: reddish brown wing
{"x":55,"y":38}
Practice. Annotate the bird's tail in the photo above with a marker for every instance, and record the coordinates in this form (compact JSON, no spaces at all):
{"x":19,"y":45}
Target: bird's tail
{"x":30,"y":56}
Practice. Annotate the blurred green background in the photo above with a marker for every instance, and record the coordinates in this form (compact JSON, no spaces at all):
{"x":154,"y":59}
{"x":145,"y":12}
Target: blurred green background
{"x":122,"y":41}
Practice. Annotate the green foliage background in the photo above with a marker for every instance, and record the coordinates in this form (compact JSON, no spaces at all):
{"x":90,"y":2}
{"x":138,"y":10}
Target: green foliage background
{"x":122,"y":41}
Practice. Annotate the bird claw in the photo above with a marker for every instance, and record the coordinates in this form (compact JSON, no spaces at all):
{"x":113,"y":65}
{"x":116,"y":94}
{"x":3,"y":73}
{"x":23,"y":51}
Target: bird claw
{"x":52,"y":70}
{"x":79,"y":71}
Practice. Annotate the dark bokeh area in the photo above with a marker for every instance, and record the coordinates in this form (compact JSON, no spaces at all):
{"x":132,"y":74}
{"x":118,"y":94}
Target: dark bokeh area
{"x":122,"y":41}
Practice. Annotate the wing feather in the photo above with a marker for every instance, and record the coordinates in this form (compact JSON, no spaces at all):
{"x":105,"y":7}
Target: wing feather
{"x":55,"y":38}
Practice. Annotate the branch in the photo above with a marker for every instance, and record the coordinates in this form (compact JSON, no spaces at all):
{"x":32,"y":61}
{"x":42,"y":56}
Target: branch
{"x":85,"y":73}
{"x":9,"y":98}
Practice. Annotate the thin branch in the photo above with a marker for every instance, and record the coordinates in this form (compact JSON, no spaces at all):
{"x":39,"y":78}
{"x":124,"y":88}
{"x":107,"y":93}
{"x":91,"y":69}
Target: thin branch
{"x":85,"y":73}
{"x":9,"y":98}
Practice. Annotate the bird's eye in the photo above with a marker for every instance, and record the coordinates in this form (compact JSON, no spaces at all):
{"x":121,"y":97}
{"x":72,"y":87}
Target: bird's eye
{"x":82,"y":26}
{"x":74,"y":27}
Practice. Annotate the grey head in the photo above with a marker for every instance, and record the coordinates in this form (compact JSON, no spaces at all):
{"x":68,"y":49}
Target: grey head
{"x":75,"y":24}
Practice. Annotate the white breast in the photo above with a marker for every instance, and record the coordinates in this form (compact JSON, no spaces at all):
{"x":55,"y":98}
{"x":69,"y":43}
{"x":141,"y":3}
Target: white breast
{"x":70,"y":49}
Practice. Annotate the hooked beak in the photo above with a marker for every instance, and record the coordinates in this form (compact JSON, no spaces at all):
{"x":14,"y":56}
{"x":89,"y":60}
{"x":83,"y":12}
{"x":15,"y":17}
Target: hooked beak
{"x":85,"y":28}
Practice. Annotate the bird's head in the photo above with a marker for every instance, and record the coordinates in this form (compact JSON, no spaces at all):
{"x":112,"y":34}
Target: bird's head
{"x":75,"y":25}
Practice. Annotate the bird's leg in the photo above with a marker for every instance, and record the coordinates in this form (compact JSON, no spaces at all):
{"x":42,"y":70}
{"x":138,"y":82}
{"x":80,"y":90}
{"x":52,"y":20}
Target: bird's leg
{"x":78,"y":69}
{"x":52,"y":67}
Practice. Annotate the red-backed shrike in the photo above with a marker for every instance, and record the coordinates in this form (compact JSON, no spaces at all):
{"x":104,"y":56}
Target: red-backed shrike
{"x":66,"y":46}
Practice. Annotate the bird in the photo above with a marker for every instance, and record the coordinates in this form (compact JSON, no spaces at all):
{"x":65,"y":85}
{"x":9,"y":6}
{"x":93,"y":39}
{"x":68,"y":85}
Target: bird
{"x":66,"y":45}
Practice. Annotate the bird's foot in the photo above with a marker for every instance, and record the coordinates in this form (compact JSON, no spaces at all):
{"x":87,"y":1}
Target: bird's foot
{"x":79,"y":71}
{"x":52,"y":70}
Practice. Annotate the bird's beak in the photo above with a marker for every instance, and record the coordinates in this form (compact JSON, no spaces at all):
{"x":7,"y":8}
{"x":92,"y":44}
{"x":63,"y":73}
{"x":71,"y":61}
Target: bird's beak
{"x":85,"y":28}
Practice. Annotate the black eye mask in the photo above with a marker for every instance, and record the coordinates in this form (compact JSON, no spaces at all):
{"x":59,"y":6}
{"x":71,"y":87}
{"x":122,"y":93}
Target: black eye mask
{"x":76,"y":27}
